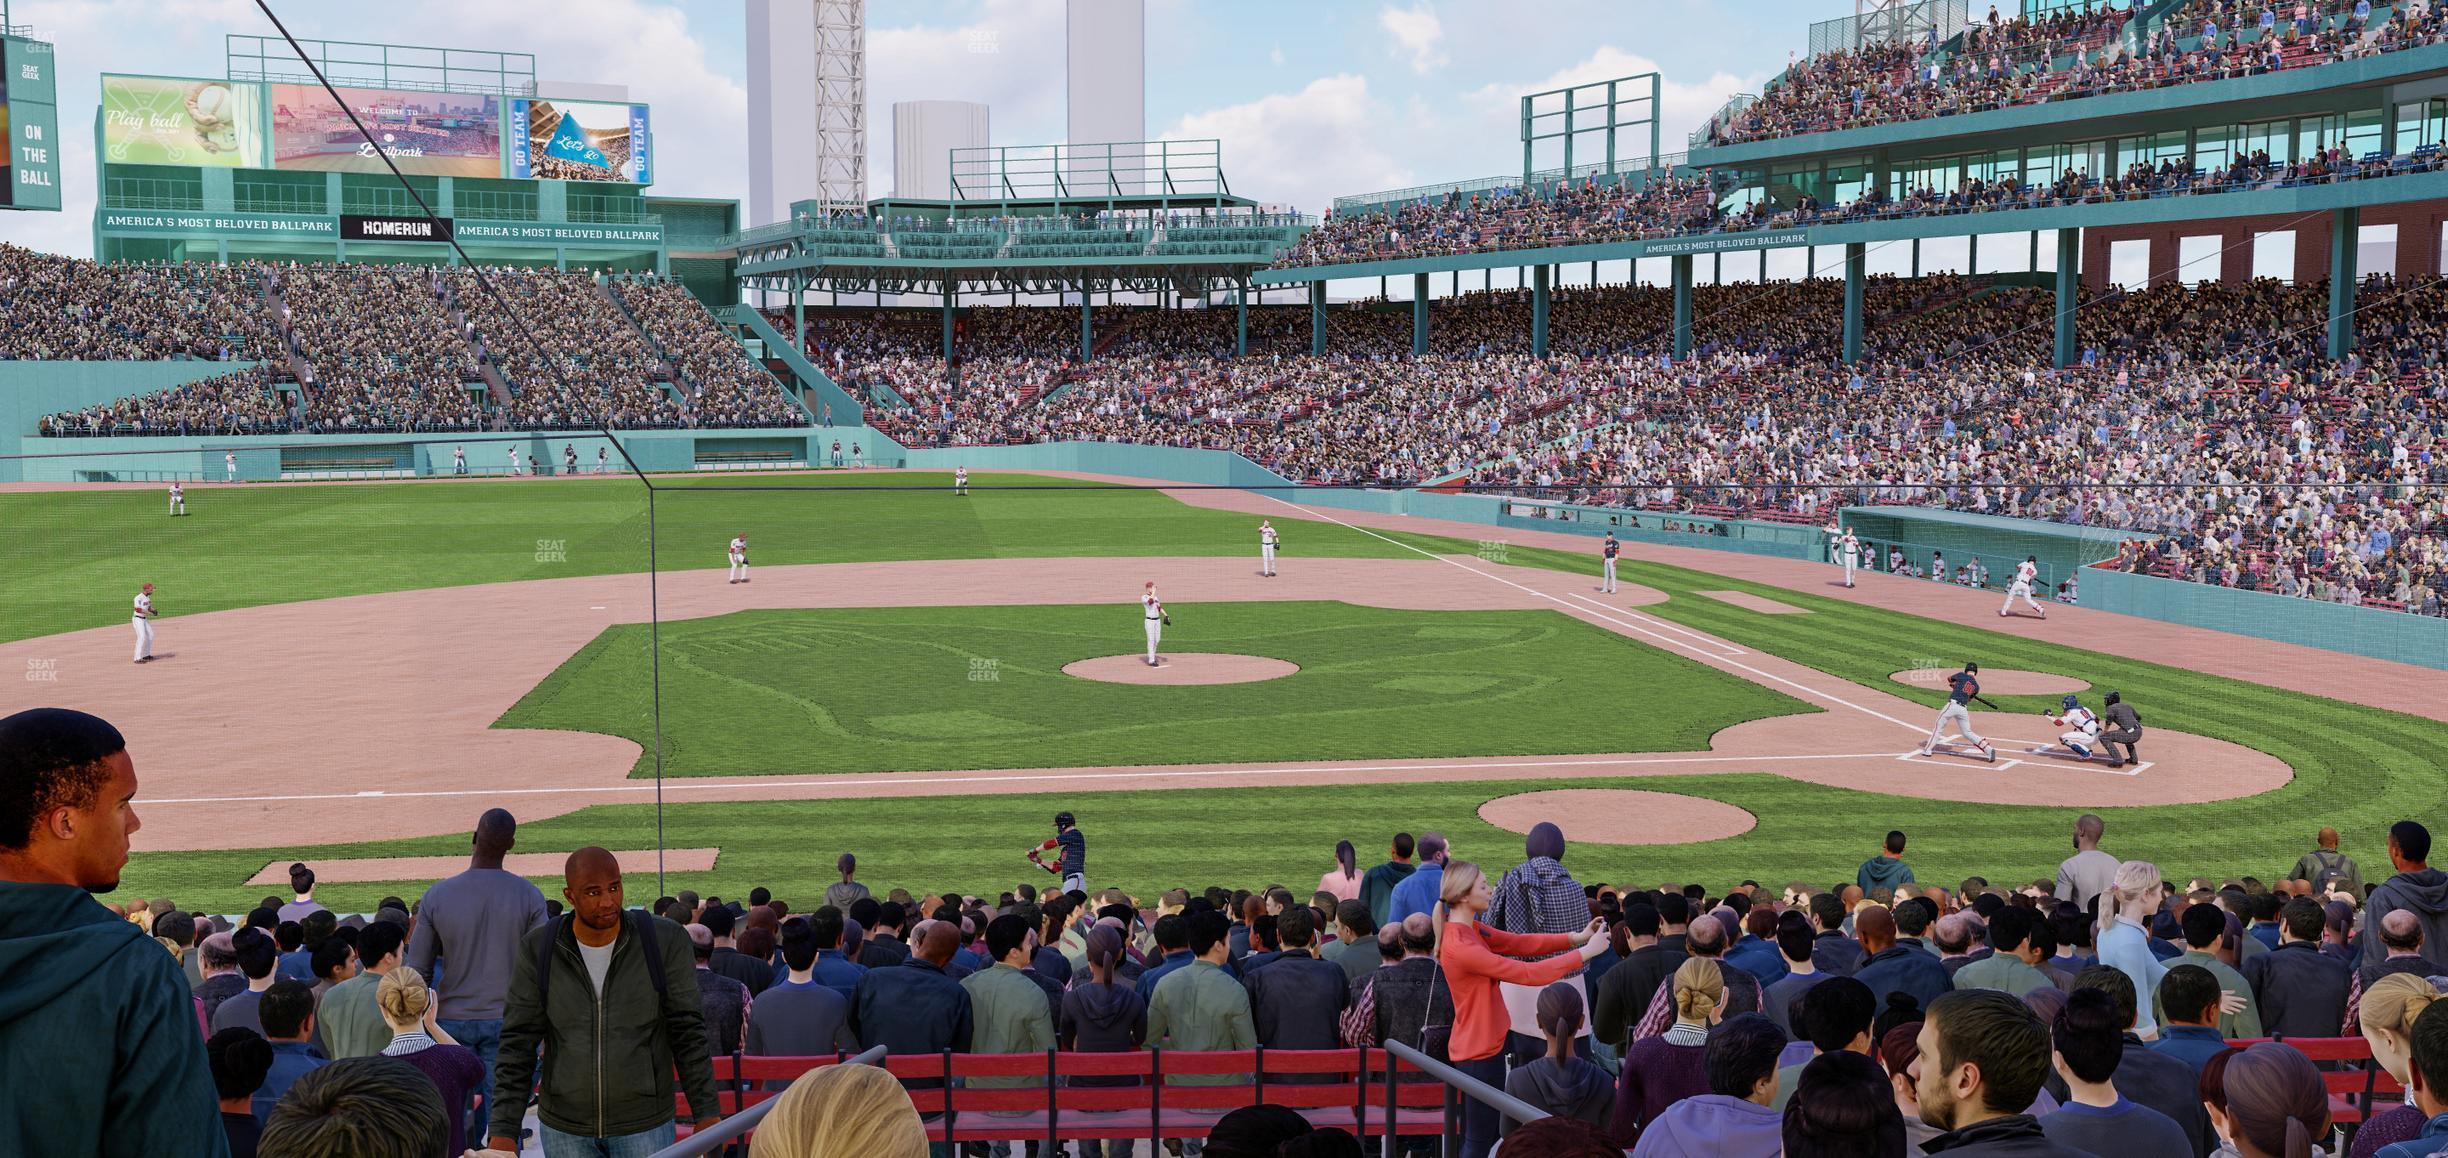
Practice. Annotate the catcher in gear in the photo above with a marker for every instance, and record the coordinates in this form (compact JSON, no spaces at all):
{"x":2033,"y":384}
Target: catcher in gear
{"x":2082,"y":728}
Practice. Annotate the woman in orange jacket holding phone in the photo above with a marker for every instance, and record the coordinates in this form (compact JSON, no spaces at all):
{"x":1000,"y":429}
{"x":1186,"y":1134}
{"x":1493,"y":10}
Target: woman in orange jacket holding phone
{"x":1476,"y":960}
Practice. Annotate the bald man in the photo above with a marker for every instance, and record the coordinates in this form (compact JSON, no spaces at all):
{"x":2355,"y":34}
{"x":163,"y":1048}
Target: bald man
{"x":473,"y":924}
{"x":2401,"y":938}
{"x":568,"y":972}
{"x":2328,"y":870}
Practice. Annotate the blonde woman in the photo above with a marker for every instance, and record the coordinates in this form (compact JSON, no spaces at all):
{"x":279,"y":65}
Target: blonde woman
{"x":1662,"y":1070}
{"x":407,"y":1006}
{"x":2124,"y":938}
{"x":841,"y":1111}
{"x":2388,"y":1012}
{"x":1477,"y":961}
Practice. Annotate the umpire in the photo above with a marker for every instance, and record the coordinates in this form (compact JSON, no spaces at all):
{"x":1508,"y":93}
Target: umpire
{"x":2124,"y":727}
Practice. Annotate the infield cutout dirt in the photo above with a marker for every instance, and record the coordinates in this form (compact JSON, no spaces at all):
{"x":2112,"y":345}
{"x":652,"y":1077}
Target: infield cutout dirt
{"x":1182,"y":669}
{"x":372,"y":869}
{"x":1620,"y":816}
{"x":2003,"y":681}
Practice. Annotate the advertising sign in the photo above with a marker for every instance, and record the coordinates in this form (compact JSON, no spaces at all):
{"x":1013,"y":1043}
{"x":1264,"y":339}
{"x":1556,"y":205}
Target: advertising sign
{"x":29,"y":126}
{"x":429,"y":133}
{"x":302,"y":227}
{"x":580,"y":141}
{"x":161,"y":120}
{"x":386,"y":227}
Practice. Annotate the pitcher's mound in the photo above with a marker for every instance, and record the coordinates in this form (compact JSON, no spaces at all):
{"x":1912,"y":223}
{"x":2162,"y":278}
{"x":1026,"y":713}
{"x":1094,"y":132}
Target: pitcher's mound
{"x":2003,"y":681}
{"x":1620,"y":816}
{"x":1180,"y":668}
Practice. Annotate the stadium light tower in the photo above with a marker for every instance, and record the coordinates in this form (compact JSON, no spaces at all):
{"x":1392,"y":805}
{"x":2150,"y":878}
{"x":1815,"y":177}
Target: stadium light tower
{"x":1882,"y":21}
{"x":841,"y":104}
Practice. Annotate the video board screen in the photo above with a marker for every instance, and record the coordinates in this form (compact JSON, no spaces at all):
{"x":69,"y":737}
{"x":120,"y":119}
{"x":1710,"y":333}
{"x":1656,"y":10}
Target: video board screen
{"x":427,"y":133}
{"x":568,"y":140}
{"x":164,"y":120}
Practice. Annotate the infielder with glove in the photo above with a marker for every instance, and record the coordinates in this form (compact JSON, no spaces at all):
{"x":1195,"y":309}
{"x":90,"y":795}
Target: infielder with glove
{"x":1962,"y":688}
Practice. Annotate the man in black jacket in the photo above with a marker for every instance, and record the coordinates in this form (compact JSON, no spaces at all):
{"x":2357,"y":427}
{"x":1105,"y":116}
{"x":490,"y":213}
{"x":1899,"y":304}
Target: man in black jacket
{"x":610,"y":998}
{"x":2301,"y":991}
{"x":1832,"y":952}
{"x":2416,"y":886}
{"x":915,"y":1007}
{"x":1297,"y":1000}
{"x":1625,"y":992}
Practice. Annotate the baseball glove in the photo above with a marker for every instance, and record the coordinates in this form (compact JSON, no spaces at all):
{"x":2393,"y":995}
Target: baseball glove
{"x":1168,"y":621}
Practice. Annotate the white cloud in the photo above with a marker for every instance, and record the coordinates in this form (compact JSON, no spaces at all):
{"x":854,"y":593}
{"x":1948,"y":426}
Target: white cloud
{"x":1303,"y":148}
{"x":1417,"y":32}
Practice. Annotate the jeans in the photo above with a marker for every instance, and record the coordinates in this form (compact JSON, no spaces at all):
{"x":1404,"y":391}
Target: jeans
{"x":484,"y":1037}
{"x":639,"y":1145}
{"x":1480,"y":1121}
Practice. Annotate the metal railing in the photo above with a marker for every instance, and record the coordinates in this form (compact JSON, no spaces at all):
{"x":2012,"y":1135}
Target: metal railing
{"x":705,"y":1142}
{"x":1458,"y":1085}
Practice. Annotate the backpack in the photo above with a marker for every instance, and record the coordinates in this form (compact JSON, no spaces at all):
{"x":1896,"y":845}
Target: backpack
{"x":638,"y":920}
{"x":2332,"y":869}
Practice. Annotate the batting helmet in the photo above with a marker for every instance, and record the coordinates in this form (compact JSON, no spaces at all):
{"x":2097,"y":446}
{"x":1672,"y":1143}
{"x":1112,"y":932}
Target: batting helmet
{"x":1063,"y":820}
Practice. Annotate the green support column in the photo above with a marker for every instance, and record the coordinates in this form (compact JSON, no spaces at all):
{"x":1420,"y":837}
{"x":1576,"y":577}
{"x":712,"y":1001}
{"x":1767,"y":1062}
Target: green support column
{"x":948,"y":297}
{"x":1538,"y":312}
{"x":1855,"y":264}
{"x":2344,"y":227}
{"x":1241,"y":321}
{"x":798,"y":311}
{"x":1419,"y":314}
{"x":1317,"y":316}
{"x":2069,"y":268}
{"x":1681,"y":265}
{"x":1088,"y":326}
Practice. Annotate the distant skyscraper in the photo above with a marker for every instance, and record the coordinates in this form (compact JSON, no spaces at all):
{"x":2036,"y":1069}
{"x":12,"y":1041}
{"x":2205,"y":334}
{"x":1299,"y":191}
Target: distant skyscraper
{"x":924,"y":135}
{"x":807,"y":105}
{"x":1105,"y":66}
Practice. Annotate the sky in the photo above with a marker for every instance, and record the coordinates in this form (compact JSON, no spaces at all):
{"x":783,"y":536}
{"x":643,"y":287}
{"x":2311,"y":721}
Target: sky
{"x":1310,"y":100}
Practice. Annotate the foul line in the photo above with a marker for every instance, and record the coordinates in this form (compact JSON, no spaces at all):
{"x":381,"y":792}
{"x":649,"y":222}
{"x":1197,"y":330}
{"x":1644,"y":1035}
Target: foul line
{"x":855,"y":780}
{"x":1634,"y":626}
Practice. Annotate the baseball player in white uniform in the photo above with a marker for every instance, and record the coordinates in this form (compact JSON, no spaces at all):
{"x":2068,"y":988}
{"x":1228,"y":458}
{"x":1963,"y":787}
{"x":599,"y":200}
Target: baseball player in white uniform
{"x":144,"y":624}
{"x":229,"y":466}
{"x":178,"y":499}
{"x":2082,"y":728}
{"x":1152,"y":610}
{"x":514,"y":461}
{"x":858,"y":457}
{"x":2025,"y":572}
{"x":458,"y":460}
{"x":960,"y":480}
{"x":603,"y":459}
{"x":1607,"y":551}
{"x":569,"y":458}
{"x":1266,"y":548}
{"x":739,"y":558}
{"x":1849,"y":548}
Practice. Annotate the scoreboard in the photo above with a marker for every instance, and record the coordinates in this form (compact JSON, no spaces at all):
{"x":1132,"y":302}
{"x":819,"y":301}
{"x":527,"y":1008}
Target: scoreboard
{"x":29,"y":103}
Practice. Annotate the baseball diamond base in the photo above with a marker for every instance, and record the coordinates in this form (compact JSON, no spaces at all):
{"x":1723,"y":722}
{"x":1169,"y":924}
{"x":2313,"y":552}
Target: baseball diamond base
{"x":1181,"y":669}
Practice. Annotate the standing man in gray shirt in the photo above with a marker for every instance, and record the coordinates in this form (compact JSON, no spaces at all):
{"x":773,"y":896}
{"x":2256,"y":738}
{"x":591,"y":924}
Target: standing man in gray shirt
{"x":473,"y":922}
{"x":2089,"y":872}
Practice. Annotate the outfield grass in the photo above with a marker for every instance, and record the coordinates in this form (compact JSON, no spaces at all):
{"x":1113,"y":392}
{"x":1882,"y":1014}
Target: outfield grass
{"x":86,"y":552}
{"x":897,"y":689}
{"x":2357,"y":768}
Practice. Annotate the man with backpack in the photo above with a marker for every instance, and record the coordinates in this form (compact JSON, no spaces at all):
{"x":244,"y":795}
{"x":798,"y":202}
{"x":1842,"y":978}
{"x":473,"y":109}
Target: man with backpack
{"x":2328,"y":869}
{"x":578,"y":991}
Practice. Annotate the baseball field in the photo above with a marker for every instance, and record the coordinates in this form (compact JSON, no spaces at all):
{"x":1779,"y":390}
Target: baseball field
{"x":351,"y":672}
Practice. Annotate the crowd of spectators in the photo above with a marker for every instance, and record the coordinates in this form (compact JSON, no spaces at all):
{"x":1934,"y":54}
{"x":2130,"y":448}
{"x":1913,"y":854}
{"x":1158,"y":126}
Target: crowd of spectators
{"x":725,"y":388}
{"x":345,"y":348}
{"x":2004,"y":62}
{"x":384,"y":351}
{"x":2109,"y":1010}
